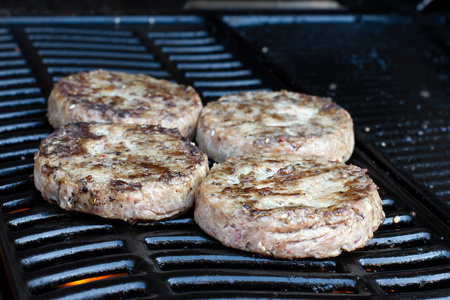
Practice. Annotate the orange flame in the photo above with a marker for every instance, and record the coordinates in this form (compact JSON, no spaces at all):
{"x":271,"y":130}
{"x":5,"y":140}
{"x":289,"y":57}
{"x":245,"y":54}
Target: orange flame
{"x":17,"y":210}
{"x":90,"y":279}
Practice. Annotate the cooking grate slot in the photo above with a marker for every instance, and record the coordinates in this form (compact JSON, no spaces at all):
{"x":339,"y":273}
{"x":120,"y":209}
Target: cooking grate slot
{"x":51,"y":53}
{"x":65,"y":232}
{"x":12,"y":63}
{"x":76,"y":276}
{"x":23,"y":102}
{"x":20,"y":201}
{"x":29,"y":122}
{"x":23,"y":136}
{"x":220,"y":259}
{"x":413,"y":258}
{"x":16,"y":183}
{"x":21,"y":166}
{"x":32,"y":217}
{"x":26,"y":91}
{"x":399,"y":238}
{"x":91,"y":46}
{"x":14,"y":72}
{"x":112,"y":37}
{"x":397,"y":220}
{"x":415,"y":281}
{"x":17,"y":82}
{"x":184,"y":222}
{"x":188,"y":240}
{"x":79,"y":31}
{"x":113,"y":288}
{"x":244,"y":282}
{"x":20,"y":112}
{"x":101,"y":62}
{"x":53,"y":256}
{"x":388,"y":204}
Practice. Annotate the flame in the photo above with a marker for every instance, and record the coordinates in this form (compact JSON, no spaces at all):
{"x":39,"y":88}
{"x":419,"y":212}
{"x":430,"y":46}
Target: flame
{"x":343,"y":292}
{"x":90,"y":279}
{"x":17,"y":210}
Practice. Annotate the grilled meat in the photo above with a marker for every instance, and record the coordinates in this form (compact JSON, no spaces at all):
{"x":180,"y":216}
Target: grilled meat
{"x":116,"y":97}
{"x":120,"y":171}
{"x":287,"y":206}
{"x":277,"y":122}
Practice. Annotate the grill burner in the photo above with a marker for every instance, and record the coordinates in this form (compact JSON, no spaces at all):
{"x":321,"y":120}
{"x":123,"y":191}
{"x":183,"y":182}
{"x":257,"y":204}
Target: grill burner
{"x":50,"y":253}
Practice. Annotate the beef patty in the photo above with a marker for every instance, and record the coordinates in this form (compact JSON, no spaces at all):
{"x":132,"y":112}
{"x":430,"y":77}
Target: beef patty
{"x":287,"y":206}
{"x":120,"y":171}
{"x":279,"y":122}
{"x":116,"y":97}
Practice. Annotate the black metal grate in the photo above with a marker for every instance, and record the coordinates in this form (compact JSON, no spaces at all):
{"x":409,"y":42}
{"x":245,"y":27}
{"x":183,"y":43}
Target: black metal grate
{"x":50,"y":253}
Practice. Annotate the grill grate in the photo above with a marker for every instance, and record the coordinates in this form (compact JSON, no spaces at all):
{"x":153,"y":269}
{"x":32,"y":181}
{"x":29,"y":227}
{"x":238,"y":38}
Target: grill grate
{"x":53,"y":254}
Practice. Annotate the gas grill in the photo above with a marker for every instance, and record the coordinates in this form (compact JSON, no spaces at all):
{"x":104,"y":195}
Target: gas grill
{"x":389,"y":71}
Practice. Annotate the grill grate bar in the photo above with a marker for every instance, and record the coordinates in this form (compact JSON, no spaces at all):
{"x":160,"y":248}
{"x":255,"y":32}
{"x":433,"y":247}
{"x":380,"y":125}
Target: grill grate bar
{"x":174,"y":241}
{"x":41,"y":284}
{"x":64,"y":71}
{"x":99,"y":61}
{"x":125,"y":289}
{"x":34,"y":135}
{"x":14,"y":183}
{"x":54,"y":257}
{"x":92,"y":53}
{"x":83,"y":38}
{"x":412,"y":281}
{"x":57,"y":235}
{"x":217,"y":259}
{"x":90,"y":31}
{"x":4,"y":46}
{"x":32,"y":219}
{"x":218,"y":74}
{"x":13,"y":72}
{"x":403,"y":260}
{"x":22,"y":151}
{"x":18,"y":201}
{"x":8,"y":168}
{"x":261,"y":283}
{"x":93,"y":46}
{"x":200,"y":57}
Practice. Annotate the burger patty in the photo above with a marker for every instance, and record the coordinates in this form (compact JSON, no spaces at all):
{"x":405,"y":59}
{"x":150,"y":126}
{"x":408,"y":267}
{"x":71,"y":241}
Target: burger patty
{"x":276,"y":122}
{"x":287,"y":206}
{"x":115,"y":97}
{"x":120,"y":171}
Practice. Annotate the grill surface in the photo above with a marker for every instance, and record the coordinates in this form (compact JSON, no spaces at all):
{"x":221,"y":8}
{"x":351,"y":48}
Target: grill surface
{"x":53,"y":254}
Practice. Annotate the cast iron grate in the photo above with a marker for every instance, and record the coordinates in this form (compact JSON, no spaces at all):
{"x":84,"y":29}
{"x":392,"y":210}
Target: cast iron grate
{"x":388,"y":71}
{"x":53,"y":254}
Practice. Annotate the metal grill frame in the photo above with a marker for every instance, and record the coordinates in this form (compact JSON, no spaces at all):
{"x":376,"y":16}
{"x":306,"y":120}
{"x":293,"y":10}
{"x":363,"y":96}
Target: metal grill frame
{"x":44,"y":248}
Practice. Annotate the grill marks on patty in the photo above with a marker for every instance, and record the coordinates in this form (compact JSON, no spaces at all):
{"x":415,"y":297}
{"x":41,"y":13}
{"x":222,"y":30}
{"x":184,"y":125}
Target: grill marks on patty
{"x":275,"y":122}
{"x":288,"y":206}
{"x":288,"y":181}
{"x":116,"y":97}
{"x":68,"y":140}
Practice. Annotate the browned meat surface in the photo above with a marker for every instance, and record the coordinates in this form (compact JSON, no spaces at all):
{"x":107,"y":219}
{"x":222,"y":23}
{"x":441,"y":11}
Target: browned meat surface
{"x":119,"y":171}
{"x":287,"y":206}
